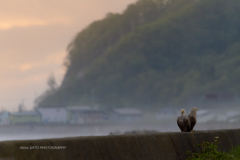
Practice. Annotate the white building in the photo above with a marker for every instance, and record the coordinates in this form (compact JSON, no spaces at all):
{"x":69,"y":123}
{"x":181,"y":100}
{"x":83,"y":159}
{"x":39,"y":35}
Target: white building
{"x":4,"y":118}
{"x":204,"y":116}
{"x":53,"y":115}
{"x":84,"y":115}
{"x":166,"y":113}
{"x":126,"y":115}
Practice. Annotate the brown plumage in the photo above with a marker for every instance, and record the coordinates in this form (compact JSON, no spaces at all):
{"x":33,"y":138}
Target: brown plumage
{"x":183,"y":122}
{"x":193,"y":118}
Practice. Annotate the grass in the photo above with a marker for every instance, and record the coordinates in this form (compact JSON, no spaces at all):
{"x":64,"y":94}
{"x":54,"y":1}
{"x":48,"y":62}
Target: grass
{"x":210,"y":151}
{"x":235,"y":153}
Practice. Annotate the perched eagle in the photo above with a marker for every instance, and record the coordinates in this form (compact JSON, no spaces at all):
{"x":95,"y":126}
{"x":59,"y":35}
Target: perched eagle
{"x":183,"y":122}
{"x":193,"y":117}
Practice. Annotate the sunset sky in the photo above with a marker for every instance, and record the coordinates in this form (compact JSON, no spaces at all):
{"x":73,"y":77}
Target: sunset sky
{"x":34,"y":35}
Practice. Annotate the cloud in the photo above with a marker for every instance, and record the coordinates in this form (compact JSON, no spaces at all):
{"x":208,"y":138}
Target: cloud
{"x":54,"y":60}
{"x":13,"y":23}
{"x":34,"y":35}
{"x":26,"y":66}
{"x":28,"y":80}
{"x":21,"y":23}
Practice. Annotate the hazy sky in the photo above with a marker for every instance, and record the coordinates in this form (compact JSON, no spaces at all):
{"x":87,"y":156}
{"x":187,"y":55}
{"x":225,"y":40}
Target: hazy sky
{"x":34,"y":35}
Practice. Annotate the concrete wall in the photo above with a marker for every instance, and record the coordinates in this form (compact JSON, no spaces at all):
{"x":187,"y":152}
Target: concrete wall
{"x":161,"y":146}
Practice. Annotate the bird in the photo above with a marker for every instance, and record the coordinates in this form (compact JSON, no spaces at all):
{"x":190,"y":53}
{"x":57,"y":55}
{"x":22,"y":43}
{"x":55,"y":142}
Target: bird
{"x":183,"y":121}
{"x":193,"y":118}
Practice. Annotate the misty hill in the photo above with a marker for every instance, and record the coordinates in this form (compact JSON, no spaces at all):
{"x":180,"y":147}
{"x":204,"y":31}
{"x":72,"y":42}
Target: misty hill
{"x":155,"y":53}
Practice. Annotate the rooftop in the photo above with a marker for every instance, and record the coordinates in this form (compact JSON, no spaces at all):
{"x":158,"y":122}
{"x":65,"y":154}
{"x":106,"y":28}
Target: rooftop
{"x":128,"y":111}
{"x":25,"y":113}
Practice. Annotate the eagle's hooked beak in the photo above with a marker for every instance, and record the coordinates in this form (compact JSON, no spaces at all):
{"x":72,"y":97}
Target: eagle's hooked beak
{"x":196,"y":108}
{"x":181,"y":111}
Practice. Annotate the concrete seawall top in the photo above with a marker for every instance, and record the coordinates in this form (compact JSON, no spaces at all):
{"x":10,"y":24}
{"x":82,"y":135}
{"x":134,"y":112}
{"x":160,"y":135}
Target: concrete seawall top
{"x":159,"y":146}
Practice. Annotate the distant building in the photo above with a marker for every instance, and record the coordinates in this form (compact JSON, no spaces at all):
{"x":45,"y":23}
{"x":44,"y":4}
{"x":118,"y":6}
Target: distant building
{"x":25,"y":118}
{"x":227,"y":97}
{"x":53,"y":115}
{"x":211,"y":97}
{"x":126,"y":115}
{"x":165,"y":113}
{"x":204,"y":116}
{"x":235,"y":118}
{"x":5,"y":118}
{"x":84,"y":115}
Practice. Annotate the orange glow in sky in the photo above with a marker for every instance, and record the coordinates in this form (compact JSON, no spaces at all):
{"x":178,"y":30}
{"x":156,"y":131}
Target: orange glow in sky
{"x":33,"y":39}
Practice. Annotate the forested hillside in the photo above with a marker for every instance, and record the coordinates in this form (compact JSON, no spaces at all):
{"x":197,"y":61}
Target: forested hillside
{"x":156,"y":53}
